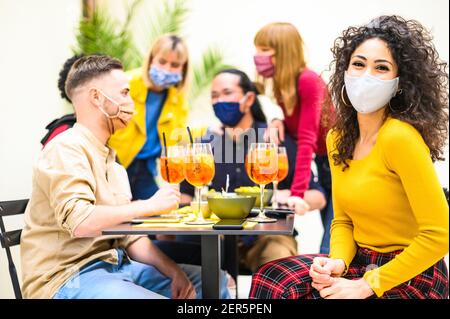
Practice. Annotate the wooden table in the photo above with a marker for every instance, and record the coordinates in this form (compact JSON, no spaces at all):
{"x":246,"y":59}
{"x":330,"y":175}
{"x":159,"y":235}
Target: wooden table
{"x":210,"y":245}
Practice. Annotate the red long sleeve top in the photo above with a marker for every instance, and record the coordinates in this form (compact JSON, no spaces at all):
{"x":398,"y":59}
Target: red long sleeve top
{"x":304,"y":126}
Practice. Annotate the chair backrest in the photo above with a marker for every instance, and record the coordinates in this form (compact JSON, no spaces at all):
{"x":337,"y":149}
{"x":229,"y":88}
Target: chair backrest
{"x":11,"y":238}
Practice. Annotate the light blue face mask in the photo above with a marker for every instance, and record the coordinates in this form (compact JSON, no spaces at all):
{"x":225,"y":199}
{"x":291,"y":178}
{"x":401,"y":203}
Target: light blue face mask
{"x":163,"y":78}
{"x":368,"y":93}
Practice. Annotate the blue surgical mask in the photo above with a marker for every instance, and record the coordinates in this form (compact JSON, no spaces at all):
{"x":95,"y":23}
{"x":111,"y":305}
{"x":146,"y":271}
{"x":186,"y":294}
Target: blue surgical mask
{"x":163,"y":78}
{"x":228,"y":113}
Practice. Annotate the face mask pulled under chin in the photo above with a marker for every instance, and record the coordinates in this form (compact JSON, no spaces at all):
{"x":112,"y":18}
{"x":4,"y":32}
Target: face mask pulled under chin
{"x":368,"y":93}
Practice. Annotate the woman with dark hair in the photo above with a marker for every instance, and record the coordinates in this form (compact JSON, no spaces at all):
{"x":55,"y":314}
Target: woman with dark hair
{"x":246,"y":86}
{"x":390,"y":231}
{"x":235,"y":102}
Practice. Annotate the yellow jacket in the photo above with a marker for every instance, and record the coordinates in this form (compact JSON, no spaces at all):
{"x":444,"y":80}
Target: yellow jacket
{"x":127,"y":142}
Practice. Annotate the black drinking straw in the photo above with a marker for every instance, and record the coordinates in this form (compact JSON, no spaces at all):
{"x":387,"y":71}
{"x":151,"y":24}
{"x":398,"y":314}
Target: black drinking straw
{"x":190,"y":135}
{"x":167,"y":157}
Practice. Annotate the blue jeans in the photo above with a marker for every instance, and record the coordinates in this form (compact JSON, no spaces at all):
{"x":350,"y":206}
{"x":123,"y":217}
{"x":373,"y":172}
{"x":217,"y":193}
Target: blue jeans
{"x":142,"y":182}
{"x":128,"y":280}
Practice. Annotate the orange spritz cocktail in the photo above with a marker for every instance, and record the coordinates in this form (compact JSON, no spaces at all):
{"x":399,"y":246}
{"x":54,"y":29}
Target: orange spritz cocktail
{"x":283,"y":169}
{"x":172,"y":169}
{"x":199,"y":170}
{"x":283,"y":166}
{"x":172,"y":164}
{"x":262,"y":168}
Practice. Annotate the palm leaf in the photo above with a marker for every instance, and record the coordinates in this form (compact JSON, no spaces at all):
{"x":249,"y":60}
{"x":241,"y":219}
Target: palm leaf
{"x":212,"y":61}
{"x":130,"y":15}
{"x":168,"y":19}
{"x":101,"y":34}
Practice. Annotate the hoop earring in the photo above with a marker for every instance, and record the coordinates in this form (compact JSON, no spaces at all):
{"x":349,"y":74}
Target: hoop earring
{"x":342,"y":96}
{"x":404,"y":111}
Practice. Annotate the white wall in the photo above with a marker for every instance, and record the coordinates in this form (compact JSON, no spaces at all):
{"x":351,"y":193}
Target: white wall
{"x":36,"y":37}
{"x":232,"y":24}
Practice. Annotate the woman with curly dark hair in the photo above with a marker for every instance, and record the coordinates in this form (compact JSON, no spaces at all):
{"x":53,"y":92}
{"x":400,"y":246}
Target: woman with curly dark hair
{"x":390,"y":231}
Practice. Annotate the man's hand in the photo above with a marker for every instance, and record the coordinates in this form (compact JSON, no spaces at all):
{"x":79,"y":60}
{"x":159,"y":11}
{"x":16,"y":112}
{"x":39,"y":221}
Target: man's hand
{"x":146,"y":252}
{"x":182,"y":288}
{"x":342,"y":288}
{"x":274,"y":132}
{"x":298,"y":204}
{"x":166,"y":199}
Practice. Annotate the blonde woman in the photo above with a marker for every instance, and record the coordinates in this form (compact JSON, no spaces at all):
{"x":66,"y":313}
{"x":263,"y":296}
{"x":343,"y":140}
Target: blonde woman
{"x":158,"y":92}
{"x":299,"y":91}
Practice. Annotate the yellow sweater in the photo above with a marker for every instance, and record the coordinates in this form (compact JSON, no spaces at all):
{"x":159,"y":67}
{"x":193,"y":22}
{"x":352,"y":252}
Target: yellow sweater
{"x":390,"y":200}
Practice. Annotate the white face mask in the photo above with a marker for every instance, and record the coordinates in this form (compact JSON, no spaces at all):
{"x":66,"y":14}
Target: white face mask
{"x":368,"y":93}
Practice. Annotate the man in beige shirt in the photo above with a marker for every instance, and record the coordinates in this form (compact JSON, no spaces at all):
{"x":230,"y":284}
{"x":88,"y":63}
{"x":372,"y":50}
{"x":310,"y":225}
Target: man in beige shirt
{"x":79,"y":190}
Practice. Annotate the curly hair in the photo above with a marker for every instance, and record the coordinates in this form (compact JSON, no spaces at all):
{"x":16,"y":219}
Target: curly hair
{"x":63,"y":75}
{"x":423,"y":98}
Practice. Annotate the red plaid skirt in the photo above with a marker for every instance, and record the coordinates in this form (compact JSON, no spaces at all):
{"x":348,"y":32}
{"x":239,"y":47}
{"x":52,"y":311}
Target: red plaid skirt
{"x":288,"y":278}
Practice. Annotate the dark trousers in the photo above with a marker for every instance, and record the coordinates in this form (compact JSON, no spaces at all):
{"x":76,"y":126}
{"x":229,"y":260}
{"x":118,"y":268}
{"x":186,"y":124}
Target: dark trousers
{"x":326,"y":214}
{"x":142,"y":182}
{"x":191,"y":242}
